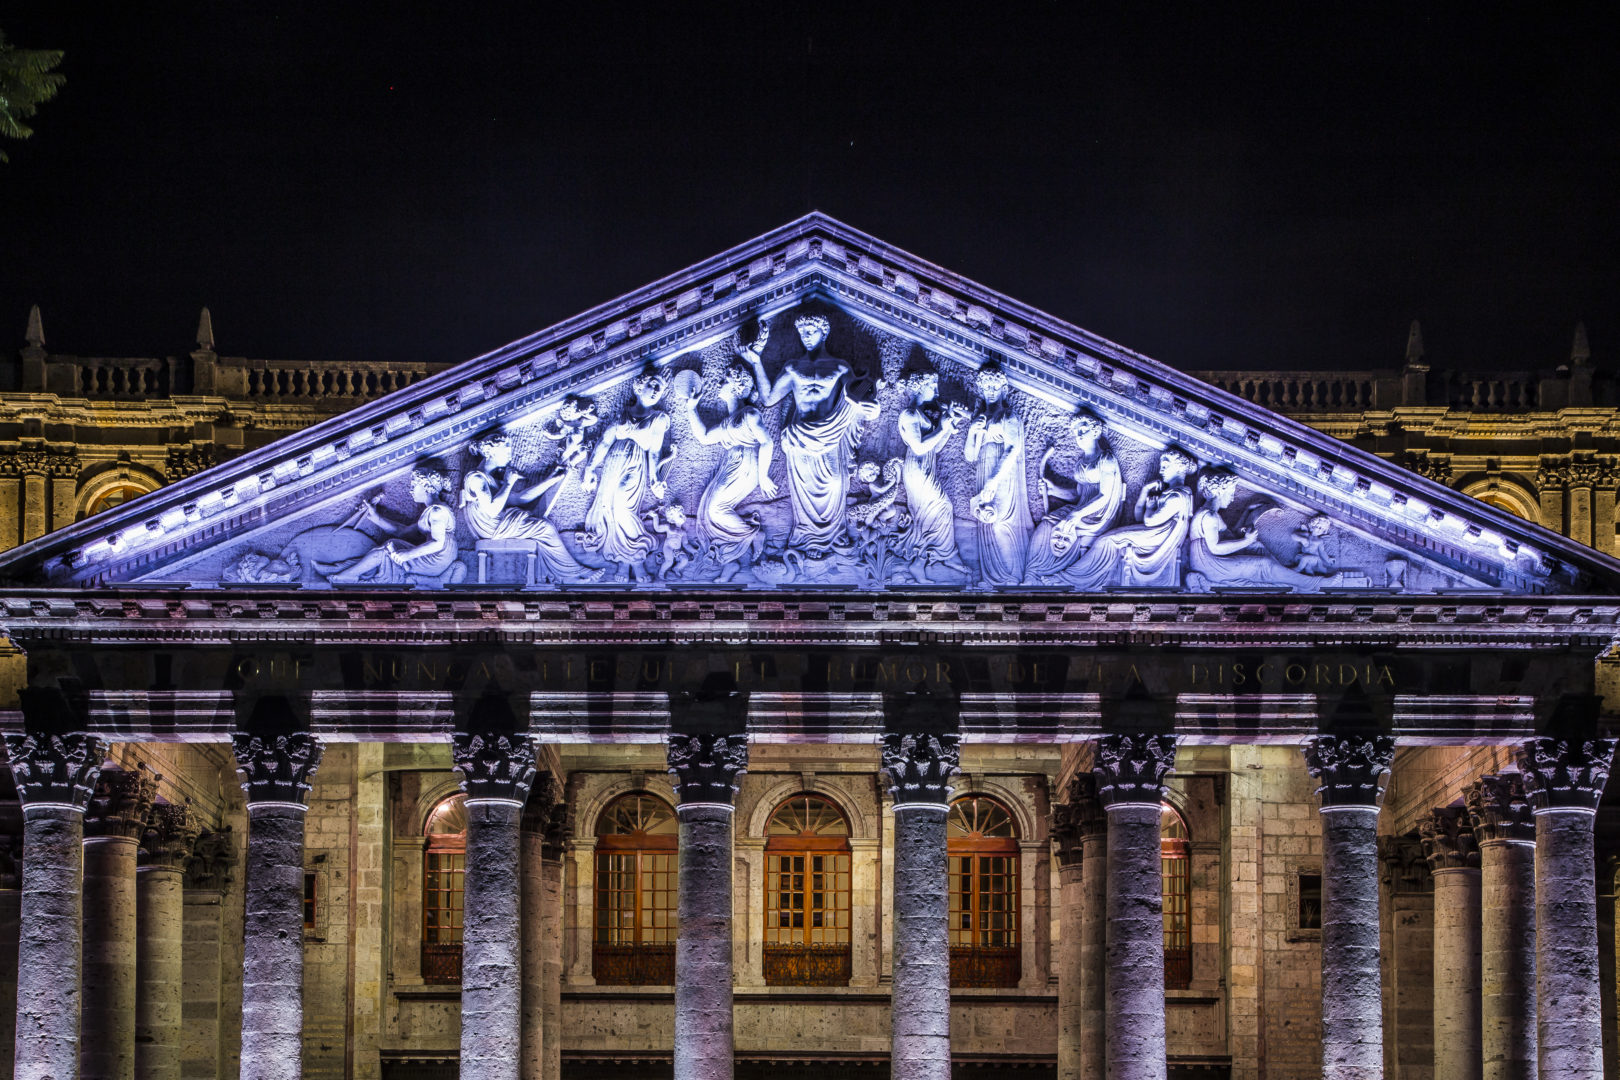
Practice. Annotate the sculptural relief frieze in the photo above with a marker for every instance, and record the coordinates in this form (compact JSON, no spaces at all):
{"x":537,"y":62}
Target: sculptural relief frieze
{"x":816,"y":450}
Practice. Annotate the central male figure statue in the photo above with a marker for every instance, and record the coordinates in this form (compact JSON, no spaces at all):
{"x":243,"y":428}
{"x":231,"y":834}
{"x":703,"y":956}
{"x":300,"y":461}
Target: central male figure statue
{"x":819,"y":437}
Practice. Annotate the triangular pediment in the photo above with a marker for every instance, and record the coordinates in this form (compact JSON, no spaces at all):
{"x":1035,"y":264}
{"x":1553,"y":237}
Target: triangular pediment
{"x":630,"y":442}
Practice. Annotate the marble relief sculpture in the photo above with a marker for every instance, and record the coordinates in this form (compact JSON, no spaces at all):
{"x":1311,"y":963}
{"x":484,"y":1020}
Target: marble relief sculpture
{"x":496,"y":510}
{"x":925,"y":426}
{"x":1216,"y":559}
{"x":995,"y":443}
{"x":432,"y":560}
{"x":1076,"y":515}
{"x":820,"y":433}
{"x":1147,"y":554}
{"x":626,"y":468}
{"x":732,"y":539}
{"x":574,"y":417}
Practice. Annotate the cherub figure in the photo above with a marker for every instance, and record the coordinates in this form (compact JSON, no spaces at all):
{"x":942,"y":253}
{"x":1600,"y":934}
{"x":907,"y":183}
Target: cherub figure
{"x":877,"y":515}
{"x":1318,"y":547}
{"x":677,"y":552}
{"x":574,"y":415}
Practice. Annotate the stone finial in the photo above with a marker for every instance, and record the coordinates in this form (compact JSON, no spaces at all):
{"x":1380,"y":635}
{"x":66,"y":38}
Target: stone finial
{"x":1448,"y":839}
{"x":1349,"y":767}
{"x":56,"y":768}
{"x":1580,"y":350}
{"x":122,"y":803}
{"x":1500,"y":809}
{"x":205,"y":331}
{"x":209,"y":866}
{"x":1414,"y":348}
{"x":494,"y":765}
{"x":1405,"y":868}
{"x":706,"y":766}
{"x":35,"y":335}
{"x":1132,"y":768}
{"x":920,"y":766}
{"x":171,"y":832}
{"x":1565,"y":774}
{"x":546,"y":814}
{"x":276,"y":768}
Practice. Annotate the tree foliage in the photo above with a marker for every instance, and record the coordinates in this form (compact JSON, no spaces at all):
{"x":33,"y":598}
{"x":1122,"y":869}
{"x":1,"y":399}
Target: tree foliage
{"x":27,"y":78}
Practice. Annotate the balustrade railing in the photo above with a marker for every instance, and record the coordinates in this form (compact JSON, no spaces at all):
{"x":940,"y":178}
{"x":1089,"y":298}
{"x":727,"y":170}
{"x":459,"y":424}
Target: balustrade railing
{"x":276,"y":380}
{"x":633,"y":965}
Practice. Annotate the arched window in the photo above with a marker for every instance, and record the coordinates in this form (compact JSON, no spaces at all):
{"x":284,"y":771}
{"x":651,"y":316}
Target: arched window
{"x":1173,"y":851}
{"x":807,"y":894}
{"x":981,"y":849}
{"x":444,"y":864}
{"x":636,"y":839}
{"x":115,"y":495}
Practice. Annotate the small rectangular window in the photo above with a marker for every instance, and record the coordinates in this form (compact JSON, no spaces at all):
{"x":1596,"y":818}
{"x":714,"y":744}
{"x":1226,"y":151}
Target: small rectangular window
{"x":1310,"y":901}
{"x":309,"y":899}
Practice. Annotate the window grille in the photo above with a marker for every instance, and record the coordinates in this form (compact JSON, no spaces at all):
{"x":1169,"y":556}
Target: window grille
{"x":982,"y":858}
{"x":807,"y":887}
{"x":636,"y":853}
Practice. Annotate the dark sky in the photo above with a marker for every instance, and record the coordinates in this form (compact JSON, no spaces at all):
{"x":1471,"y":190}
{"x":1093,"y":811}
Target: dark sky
{"x":1282,"y":190}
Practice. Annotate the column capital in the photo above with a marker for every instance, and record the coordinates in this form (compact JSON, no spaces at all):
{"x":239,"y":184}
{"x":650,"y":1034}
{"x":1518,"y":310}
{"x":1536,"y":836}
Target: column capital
{"x":56,"y":768}
{"x":546,"y":814}
{"x":1500,"y":809}
{"x":276,"y":768}
{"x":121,"y":804}
{"x":1131,"y":768}
{"x":920,"y":766}
{"x":494,"y":765}
{"x":1349,"y":767}
{"x":706,"y":765}
{"x":1565,"y":774}
{"x":212,"y":858}
{"x":1080,"y":815}
{"x":171,"y":833}
{"x":1405,"y":868}
{"x":1448,"y":840}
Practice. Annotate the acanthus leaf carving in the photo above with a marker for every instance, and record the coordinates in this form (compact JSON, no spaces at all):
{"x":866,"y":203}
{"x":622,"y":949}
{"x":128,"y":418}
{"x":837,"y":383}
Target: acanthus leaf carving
{"x":1349,"y":767}
{"x":706,"y":765}
{"x":494,"y":765}
{"x":1500,"y":809}
{"x":276,"y":768}
{"x":56,"y":768}
{"x":170,"y":836}
{"x":920,"y":766}
{"x":1565,"y":774}
{"x":1448,"y":839}
{"x":1131,"y":768}
{"x":122,"y":803}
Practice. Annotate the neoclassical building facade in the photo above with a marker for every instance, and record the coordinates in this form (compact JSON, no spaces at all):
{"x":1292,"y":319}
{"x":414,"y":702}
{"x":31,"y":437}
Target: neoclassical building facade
{"x":813,"y":661}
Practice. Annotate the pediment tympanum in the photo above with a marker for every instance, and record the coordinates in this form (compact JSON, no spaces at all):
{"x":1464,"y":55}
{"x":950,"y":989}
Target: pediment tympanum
{"x":814,"y":410}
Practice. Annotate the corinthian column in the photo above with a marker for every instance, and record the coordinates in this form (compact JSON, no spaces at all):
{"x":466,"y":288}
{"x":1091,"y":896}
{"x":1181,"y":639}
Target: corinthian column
{"x":497,"y":770}
{"x":920,"y":767}
{"x":1506,"y":833}
{"x":276,"y":771}
{"x":544,"y":832}
{"x":113,"y":825}
{"x":1349,"y":768}
{"x":1448,"y":845}
{"x":1564,"y":779}
{"x":159,"y":939}
{"x":1080,"y":831}
{"x":56,"y":775}
{"x":706,"y":767}
{"x":1130,"y":771}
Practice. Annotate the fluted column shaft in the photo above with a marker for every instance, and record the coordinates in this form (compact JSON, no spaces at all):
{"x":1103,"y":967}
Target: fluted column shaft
{"x":1352,"y":1003}
{"x":1505,"y":831}
{"x":497,"y":771}
{"x":56,"y":775}
{"x":276,"y":774}
{"x":706,"y":767}
{"x":1130,"y":771}
{"x":1565,"y":780}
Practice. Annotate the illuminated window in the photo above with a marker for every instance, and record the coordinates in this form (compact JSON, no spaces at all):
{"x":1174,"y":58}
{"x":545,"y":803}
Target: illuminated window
{"x":444,"y":865}
{"x":981,"y":849}
{"x":116,"y":495}
{"x":1173,"y":852}
{"x":1491,"y":498}
{"x":634,"y":945}
{"x":1310,"y":901}
{"x":807,"y":894}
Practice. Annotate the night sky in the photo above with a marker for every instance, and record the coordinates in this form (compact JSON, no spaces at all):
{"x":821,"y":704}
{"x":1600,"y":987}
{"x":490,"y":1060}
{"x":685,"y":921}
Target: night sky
{"x":1283,"y":191}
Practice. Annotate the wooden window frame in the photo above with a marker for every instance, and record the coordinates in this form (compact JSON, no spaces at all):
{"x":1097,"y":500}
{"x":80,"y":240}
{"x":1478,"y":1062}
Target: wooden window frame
{"x":648,"y":958}
{"x":799,"y":960}
{"x":973,"y":963}
{"x":1175,"y":855}
{"x":441,"y":959}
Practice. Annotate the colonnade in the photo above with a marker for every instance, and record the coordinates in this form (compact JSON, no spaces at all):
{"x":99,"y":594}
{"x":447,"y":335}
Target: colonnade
{"x":76,"y":819}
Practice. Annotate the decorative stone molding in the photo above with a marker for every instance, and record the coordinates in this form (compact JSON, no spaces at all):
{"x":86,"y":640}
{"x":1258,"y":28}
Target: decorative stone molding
{"x":276,"y":768}
{"x":1349,"y":767}
{"x":1406,"y":870}
{"x":1500,"y":809}
{"x":56,"y":768}
{"x":184,"y":461}
{"x":60,"y":462}
{"x":706,"y":766}
{"x":1436,"y":467}
{"x":1448,"y":840}
{"x":1565,"y":774}
{"x":920,"y":766}
{"x":1552,"y":473}
{"x":171,"y":833}
{"x":494,"y":765}
{"x":212,"y":858}
{"x":121,"y":805}
{"x":1132,"y":768}
{"x":546,"y":814}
